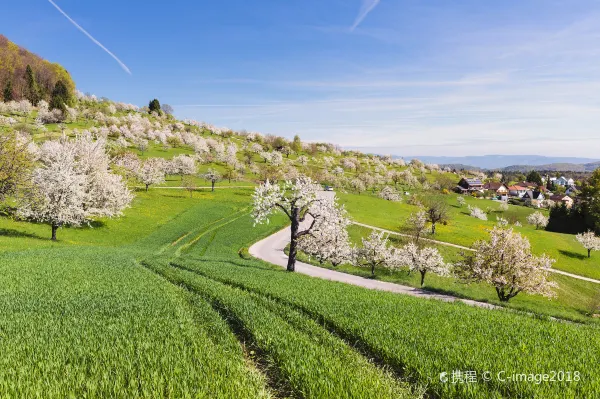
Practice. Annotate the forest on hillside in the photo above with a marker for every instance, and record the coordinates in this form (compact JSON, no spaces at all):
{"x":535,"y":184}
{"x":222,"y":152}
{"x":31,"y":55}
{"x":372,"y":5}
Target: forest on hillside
{"x":24,"y":75}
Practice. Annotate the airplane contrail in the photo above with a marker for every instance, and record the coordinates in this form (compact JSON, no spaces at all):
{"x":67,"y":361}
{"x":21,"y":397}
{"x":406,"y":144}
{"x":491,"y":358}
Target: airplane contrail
{"x":366,"y":8}
{"x":90,"y":37}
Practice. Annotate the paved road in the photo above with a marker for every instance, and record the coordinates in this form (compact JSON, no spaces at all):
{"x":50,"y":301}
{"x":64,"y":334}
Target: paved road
{"x":271,"y":250}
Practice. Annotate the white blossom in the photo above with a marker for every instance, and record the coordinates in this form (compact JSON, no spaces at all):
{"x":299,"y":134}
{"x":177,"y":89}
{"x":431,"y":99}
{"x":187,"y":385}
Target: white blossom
{"x":73,"y":184}
{"x":298,"y":200}
{"x":390,"y":194}
{"x":477,"y":213}
{"x":589,"y":241}
{"x":152,"y":171}
{"x":377,"y":252}
{"x":538,"y":220}
{"x":422,"y":260}
{"x":506,"y":262}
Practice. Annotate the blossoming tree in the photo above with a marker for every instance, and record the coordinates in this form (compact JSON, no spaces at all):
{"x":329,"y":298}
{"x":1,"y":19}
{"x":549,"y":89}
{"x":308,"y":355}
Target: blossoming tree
{"x":538,"y":220}
{"x":152,"y":171}
{"x":300,"y":202}
{"x":329,"y":239}
{"x":422,"y":260}
{"x":73,"y":184}
{"x":506,"y":262}
{"x":377,"y":252}
{"x":589,"y":241}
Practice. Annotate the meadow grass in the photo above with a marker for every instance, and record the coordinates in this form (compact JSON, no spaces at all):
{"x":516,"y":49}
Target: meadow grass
{"x":464,"y":230}
{"x":83,"y":318}
{"x":420,"y":339}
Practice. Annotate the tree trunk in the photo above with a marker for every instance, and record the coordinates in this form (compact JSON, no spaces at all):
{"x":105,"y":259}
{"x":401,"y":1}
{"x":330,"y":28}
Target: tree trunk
{"x":432,"y":228}
{"x":291,"y":265}
{"x":54,"y":229}
{"x":213,"y":186}
{"x":423,"y":277}
{"x":147,"y":185}
{"x":372,"y":270}
{"x":589,"y":253}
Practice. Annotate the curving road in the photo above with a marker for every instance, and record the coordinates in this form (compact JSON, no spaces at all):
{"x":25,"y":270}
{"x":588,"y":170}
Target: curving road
{"x":271,"y":249}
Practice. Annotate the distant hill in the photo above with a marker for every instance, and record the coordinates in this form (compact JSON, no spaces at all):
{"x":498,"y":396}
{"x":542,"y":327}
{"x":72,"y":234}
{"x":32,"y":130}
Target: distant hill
{"x":13,"y":64}
{"x":507,"y":161}
{"x":555,"y":167}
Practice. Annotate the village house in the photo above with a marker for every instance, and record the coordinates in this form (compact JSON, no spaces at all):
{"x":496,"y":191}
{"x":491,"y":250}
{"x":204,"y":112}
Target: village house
{"x":499,"y":188}
{"x":563,"y":181}
{"x":536,"y":197}
{"x":562,"y":199}
{"x":466,"y":185}
{"x":573,"y":190}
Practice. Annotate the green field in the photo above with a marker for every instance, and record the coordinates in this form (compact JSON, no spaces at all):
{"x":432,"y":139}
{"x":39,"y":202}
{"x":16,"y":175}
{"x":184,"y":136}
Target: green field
{"x":464,"y":230}
{"x":160,"y":304}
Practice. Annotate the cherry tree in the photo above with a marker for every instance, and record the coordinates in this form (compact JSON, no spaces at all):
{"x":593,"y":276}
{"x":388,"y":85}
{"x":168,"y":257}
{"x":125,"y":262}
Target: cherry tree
{"x":461,"y":201}
{"x":416,"y":224}
{"x":184,"y":165}
{"x":477,"y":213}
{"x":213,"y":177}
{"x":129,"y":163}
{"x":390,"y":194}
{"x":357,"y":185}
{"x":73,"y":184}
{"x":589,"y":241}
{"x":152,"y":171}
{"x":329,"y":239}
{"x":302,"y":160}
{"x":422,"y":260}
{"x":376,"y":251}
{"x":506,"y":262}
{"x":538,"y":220}
{"x":300,"y":202}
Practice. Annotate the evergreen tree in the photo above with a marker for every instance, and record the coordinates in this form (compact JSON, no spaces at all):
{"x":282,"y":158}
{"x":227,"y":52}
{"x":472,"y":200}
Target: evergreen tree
{"x":534,"y":177}
{"x":154,"y":106}
{"x":60,"y":97}
{"x":32,"y":92}
{"x":590,"y":196}
{"x":8,"y":92}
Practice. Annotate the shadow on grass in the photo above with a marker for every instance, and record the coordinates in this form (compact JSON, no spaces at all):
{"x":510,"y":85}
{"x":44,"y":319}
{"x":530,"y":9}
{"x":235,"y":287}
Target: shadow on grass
{"x":572,"y":255}
{"x":19,"y":234}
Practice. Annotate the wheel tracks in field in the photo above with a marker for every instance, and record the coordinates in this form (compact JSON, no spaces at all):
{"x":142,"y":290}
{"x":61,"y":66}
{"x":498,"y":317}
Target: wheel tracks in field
{"x":255,"y":359}
{"x":232,"y":218}
{"x":253,"y":354}
{"x":353,"y":341}
{"x":180,"y":244}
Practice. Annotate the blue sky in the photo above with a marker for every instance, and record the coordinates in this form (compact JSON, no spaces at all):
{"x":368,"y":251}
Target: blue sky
{"x":389,"y":76}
